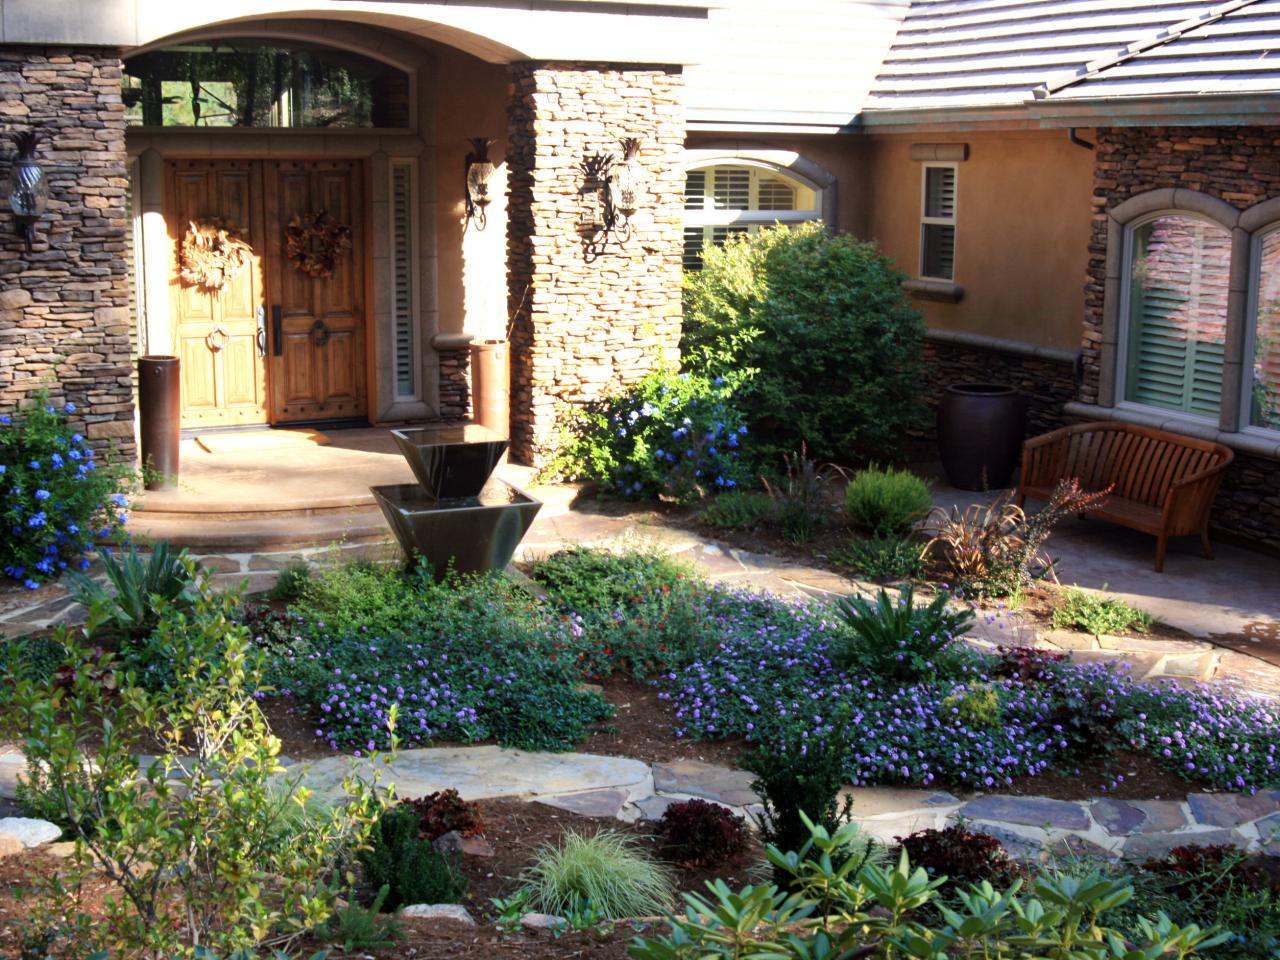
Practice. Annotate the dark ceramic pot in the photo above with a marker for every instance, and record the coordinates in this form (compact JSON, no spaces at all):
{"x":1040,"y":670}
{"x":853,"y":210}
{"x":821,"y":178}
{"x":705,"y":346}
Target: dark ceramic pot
{"x":980,"y":432}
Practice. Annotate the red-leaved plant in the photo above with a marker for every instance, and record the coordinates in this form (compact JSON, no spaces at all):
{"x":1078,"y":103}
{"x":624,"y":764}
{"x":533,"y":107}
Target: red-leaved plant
{"x":698,"y":833}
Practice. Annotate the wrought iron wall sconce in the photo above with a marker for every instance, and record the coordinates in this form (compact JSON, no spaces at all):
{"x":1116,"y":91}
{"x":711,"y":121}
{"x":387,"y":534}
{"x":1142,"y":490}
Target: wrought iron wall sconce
{"x":28,"y":187}
{"x":479,"y":171}
{"x":616,"y":187}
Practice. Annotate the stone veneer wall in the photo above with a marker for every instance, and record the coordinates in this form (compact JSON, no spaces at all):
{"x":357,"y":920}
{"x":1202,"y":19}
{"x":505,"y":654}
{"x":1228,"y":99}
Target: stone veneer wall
{"x":584,"y":324}
{"x":65,"y":320}
{"x":1047,"y":383}
{"x":1240,"y":165}
{"x":455,"y":384}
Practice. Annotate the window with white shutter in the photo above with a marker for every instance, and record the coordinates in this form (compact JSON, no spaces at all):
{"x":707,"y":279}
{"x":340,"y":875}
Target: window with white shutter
{"x":938,"y":222}
{"x":403,"y":299}
{"x":728,"y":199}
{"x":1179,"y":272}
{"x":1262,"y":347}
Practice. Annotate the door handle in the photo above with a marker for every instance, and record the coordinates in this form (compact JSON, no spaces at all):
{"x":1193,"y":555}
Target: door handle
{"x":261,"y":338}
{"x":277,"y":331}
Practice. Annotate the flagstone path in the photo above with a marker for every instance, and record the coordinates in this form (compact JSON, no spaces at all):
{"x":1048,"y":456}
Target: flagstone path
{"x":1032,"y":828}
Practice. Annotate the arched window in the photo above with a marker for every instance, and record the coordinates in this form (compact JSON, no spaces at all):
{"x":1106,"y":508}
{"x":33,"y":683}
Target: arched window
{"x":1179,"y":279}
{"x":724,"y":199}
{"x":1262,"y":335}
{"x":260,"y":83}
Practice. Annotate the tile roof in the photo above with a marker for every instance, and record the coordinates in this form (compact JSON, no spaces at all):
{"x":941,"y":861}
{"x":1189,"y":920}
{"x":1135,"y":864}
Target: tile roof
{"x":990,"y":53}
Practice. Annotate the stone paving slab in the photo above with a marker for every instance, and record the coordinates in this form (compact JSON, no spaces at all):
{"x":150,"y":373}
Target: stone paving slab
{"x":697,"y":779}
{"x":1159,"y":844}
{"x":1122,"y":818}
{"x":1233,"y":809}
{"x":591,"y":803}
{"x":1030,"y":811}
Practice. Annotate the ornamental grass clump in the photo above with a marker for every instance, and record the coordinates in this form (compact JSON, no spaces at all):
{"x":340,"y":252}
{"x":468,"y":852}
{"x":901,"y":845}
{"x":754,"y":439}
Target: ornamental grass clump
{"x":56,"y":496}
{"x":606,"y":873}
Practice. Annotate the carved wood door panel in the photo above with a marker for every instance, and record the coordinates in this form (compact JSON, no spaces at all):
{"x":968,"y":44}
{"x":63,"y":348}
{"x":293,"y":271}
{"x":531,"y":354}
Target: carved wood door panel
{"x":317,"y":364}
{"x":216,"y":332}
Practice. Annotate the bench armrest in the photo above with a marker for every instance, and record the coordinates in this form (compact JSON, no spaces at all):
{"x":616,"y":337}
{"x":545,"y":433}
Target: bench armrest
{"x":1187,"y":504}
{"x":1043,"y":458}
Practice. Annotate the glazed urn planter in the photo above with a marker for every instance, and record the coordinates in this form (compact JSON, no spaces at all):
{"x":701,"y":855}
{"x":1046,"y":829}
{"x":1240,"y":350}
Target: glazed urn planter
{"x":980,"y":433}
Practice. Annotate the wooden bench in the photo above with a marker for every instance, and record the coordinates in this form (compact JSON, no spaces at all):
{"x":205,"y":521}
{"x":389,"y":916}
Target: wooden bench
{"x":1164,"y":483}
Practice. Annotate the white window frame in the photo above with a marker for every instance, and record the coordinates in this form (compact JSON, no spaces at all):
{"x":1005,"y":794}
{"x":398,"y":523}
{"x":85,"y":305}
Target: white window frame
{"x":1248,"y":336}
{"x":1123,"y":334}
{"x":951,"y":221}
{"x":707,"y":217}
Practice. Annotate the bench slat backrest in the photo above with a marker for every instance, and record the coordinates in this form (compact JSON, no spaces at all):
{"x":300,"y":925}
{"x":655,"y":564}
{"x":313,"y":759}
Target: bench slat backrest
{"x":1143,"y":464}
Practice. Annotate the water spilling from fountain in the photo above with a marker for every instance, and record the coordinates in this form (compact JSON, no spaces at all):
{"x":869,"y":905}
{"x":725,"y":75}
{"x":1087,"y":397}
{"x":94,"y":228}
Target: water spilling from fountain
{"x":457,"y":514}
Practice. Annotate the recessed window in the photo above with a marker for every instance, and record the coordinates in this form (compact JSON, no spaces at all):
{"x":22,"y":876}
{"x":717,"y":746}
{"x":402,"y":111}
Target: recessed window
{"x":259,"y":83}
{"x":730,"y":199}
{"x":1179,"y":277}
{"x":938,"y":223}
{"x":1262,"y":367}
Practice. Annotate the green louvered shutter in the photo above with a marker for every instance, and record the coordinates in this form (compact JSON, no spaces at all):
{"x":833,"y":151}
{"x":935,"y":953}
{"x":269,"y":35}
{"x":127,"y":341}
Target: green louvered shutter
{"x":1180,"y":273}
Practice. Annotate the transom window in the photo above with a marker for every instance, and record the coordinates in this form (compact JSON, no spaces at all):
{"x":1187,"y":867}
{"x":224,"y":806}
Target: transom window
{"x":729,"y":199}
{"x":258,"y":83}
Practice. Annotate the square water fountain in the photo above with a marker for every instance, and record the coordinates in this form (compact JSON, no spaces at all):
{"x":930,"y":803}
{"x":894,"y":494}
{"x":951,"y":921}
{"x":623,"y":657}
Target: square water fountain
{"x":456,"y":514}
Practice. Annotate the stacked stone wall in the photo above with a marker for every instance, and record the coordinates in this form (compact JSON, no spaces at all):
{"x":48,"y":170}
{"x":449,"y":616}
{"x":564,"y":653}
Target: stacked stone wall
{"x":455,"y":384}
{"x":589,"y":316}
{"x":65,"y":320}
{"x":1239,"y":165}
{"x":1047,"y":383}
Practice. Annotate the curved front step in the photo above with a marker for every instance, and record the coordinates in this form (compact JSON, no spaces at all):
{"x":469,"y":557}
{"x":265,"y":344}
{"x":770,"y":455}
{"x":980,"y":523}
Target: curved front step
{"x":249,"y":532}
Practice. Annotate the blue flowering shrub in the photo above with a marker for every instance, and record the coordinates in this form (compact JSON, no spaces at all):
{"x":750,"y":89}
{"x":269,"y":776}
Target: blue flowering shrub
{"x":56,"y":497}
{"x":669,"y":435}
{"x":472,"y":658}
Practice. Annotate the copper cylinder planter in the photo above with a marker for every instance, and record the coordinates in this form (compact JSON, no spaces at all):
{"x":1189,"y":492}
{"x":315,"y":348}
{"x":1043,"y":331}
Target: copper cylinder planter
{"x":491,"y":385}
{"x":159,"y":420}
{"x":980,"y":432}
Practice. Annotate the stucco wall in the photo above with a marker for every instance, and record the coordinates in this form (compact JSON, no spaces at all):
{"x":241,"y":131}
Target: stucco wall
{"x":1022,"y":230}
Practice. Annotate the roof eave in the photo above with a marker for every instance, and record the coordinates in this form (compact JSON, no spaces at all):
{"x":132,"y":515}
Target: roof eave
{"x":1183,"y":110}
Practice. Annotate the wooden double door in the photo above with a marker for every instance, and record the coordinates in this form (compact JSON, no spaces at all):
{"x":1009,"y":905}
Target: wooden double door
{"x":276,"y":344}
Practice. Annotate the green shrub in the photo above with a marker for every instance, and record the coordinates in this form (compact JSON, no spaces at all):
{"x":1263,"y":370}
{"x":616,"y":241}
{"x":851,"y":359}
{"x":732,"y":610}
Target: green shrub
{"x":669,"y":435}
{"x":799,"y":503}
{"x":291,"y":583}
{"x":31,"y":656}
{"x":818,"y":333}
{"x":407,"y":864}
{"x":886,"y":502}
{"x":848,"y":910}
{"x":56,"y":498}
{"x":584,"y":579}
{"x":217,"y":778}
{"x":900,"y":640}
{"x":736,"y":510}
{"x":977,"y":704}
{"x":138,"y":588}
{"x":1097,"y":614}
{"x":882,"y":558}
{"x":606,"y":872}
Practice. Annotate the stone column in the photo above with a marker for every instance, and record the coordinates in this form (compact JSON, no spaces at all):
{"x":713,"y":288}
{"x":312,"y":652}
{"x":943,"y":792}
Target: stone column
{"x":585,"y":320}
{"x":65,"y":320}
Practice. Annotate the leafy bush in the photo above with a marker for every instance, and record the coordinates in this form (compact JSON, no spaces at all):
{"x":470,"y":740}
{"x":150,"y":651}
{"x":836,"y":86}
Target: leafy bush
{"x":55,"y":497}
{"x":470,"y":658}
{"x":1027,"y":664}
{"x":1098,"y":614}
{"x":977,"y":704}
{"x":736,"y":510}
{"x":444,"y":811}
{"x":962,"y":856}
{"x":886,"y":502}
{"x":839,"y":911}
{"x":882,"y":558}
{"x":799,"y":782}
{"x":291,"y":583}
{"x":406,"y":863}
{"x":606,"y":872}
{"x":996,"y":549}
{"x":699,"y":833}
{"x":899,"y":640}
{"x":137,"y":590}
{"x":581,"y":579}
{"x":31,"y":656}
{"x":669,"y":435}
{"x":819,"y":334}
{"x":218,"y":779}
